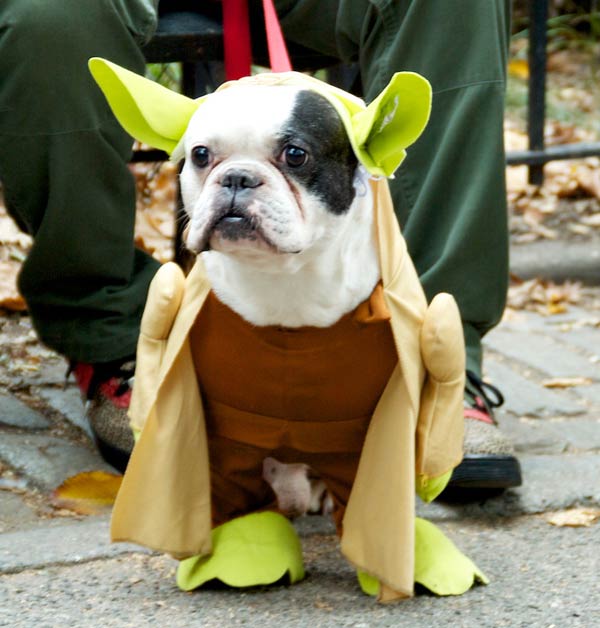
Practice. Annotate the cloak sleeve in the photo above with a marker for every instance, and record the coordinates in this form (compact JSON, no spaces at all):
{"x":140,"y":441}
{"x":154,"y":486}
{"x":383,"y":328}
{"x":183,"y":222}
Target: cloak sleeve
{"x":164,"y":499}
{"x":162,"y":305}
{"x":439,"y":437}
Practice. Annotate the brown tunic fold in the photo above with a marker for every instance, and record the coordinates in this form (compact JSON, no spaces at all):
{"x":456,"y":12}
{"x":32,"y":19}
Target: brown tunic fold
{"x":301,"y":395}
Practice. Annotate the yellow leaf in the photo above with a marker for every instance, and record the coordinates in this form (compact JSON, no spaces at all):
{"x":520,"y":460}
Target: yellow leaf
{"x":87,"y":493}
{"x":518,"y":68}
{"x":556,"y":308}
{"x":575,"y":517}
{"x":566,"y":382}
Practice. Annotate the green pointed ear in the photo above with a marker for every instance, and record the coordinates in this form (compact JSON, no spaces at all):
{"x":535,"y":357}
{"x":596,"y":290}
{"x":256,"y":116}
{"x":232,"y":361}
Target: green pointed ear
{"x":393,"y":121}
{"x":148,"y":111}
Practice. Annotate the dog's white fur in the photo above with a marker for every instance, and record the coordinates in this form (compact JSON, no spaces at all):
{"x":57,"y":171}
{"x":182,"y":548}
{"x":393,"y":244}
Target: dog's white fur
{"x":313,"y":266}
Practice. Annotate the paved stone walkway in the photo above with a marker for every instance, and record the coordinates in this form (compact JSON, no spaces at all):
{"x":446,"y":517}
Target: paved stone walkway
{"x":556,"y":431}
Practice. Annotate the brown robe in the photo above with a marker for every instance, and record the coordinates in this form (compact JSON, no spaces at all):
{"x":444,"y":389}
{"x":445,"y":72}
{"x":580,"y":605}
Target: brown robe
{"x":301,"y":395}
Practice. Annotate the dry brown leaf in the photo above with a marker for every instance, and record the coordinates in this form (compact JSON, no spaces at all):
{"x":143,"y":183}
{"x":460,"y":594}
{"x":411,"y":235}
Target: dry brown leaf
{"x":10,"y":299}
{"x":564,"y":62}
{"x":566,"y":382}
{"x":589,"y":181}
{"x":569,"y":292}
{"x":545,"y":232}
{"x":591,"y":221}
{"x":579,"y":229}
{"x":10,"y":233}
{"x":574,"y":517}
{"x":156,"y":200}
{"x":324,"y":606}
{"x":556,"y":132}
{"x":547,"y":298}
{"x":514,"y":137}
{"x":87,"y":493}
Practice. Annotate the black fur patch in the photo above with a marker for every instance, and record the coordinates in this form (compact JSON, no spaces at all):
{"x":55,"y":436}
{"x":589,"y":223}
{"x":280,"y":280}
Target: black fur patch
{"x":315,"y":126}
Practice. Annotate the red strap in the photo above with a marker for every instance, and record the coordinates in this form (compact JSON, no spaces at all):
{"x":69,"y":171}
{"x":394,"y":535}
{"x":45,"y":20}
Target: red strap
{"x":278,"y":54}
{"x":236,"y":39}
{"x":236,"y":36}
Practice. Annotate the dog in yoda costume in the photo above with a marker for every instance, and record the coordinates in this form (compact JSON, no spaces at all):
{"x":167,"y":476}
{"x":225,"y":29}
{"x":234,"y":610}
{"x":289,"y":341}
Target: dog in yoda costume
{"x":301,"y":333}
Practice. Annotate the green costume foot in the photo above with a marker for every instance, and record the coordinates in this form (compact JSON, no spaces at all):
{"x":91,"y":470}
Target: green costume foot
{"x":256,"y":549}
{"x":439,"y":565}
{"x":429,"y":488}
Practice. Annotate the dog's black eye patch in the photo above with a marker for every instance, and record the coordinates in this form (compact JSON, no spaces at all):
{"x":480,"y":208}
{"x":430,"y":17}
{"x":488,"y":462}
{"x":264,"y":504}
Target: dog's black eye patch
{"x":329,"y":171}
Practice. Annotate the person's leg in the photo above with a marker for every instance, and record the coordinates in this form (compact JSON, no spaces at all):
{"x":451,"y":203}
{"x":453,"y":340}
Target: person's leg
{"x":63,"y":169}
{"x":449,"y":194}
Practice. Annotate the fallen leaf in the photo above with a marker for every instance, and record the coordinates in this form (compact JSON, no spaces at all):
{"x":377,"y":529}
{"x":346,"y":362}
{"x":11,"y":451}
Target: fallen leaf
{"x":156,"y":186}
{"x":544,"y":297}
{"x":579,"y":229}
{"x":519,"y":68}
{"x":556,"y":308}
{"x":10,"y":233}
{"x":589,"y":181}
{"x":565,"y":62}
{"x":556,"y":132}
{"x":87,"y":493}
{"x":566,"y":382}
{"x":591,"y":221}
{"x":574,"y":517}
{"x":324,"y":606}
{"x":10,"y":299}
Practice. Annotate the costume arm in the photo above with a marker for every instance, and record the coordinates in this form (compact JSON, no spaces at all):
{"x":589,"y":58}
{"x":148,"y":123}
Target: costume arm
{"x":440,"y":423}
{"x":162,"y":305}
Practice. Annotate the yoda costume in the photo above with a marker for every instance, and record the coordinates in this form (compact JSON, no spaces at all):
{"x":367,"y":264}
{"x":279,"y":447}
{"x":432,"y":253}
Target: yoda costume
{"x":414,"y":437}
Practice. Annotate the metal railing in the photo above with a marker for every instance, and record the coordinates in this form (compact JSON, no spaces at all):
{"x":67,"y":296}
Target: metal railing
{"x":538,"y":153}
{"x":204,"y":42}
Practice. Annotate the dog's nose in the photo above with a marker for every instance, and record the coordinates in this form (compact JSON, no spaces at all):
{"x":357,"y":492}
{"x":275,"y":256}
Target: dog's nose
{"x":240,"y":179}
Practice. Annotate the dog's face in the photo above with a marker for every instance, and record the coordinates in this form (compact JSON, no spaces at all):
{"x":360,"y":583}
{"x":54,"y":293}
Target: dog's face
{"x":268,"y":172}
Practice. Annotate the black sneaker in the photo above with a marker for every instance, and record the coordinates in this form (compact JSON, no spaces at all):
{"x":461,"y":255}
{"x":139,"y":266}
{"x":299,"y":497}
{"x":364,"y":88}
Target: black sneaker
{"x":489,"y":460}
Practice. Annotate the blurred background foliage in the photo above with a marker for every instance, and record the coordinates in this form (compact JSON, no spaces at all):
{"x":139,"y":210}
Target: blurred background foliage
{"x":570,"y":22}
{"x":573,"y":65}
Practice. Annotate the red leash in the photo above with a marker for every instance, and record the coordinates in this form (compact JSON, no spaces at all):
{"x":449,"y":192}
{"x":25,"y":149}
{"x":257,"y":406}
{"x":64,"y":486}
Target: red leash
{"x":237,"y":43}
{"x":278,"y":54}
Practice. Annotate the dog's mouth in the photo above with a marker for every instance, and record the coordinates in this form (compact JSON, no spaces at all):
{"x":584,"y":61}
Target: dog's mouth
{"x":234,"y":219}
{"x":232,"y":224}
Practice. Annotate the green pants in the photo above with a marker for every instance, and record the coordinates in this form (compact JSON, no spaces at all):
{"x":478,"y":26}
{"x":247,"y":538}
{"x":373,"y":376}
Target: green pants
{"x":62,"y":156}
{"x":63,"y":167}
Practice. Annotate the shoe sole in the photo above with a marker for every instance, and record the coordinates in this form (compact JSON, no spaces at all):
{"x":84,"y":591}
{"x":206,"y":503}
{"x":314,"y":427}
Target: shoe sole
{"x":486,"y":471}
{"x":116,"y":457}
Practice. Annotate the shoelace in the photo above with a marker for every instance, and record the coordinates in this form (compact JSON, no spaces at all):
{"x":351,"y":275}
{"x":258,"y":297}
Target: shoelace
{"x":484,"y":398}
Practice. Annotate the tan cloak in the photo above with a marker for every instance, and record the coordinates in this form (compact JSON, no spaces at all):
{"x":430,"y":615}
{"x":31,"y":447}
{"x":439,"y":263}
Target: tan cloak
{"x":416,"y":430}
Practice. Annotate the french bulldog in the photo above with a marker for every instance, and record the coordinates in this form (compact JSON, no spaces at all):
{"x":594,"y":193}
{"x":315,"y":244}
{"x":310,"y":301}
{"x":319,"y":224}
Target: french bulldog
{"x":281,"y":212}
{"x":301,"y":339}
{"x":278,"y":206}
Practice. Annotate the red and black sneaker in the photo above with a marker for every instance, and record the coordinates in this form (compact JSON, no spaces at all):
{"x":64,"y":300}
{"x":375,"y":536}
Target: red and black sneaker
{"x":489,"y":460}
{"x":106,"y":391}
